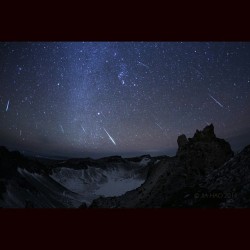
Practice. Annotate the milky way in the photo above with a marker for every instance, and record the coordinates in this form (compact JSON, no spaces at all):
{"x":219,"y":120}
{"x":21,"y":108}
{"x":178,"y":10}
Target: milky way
{"x":121,"y":98}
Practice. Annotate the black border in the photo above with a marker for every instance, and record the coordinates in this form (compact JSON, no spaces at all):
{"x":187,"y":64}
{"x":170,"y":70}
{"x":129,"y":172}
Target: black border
{"x":124,"y":228}
{"x":124,"y":21}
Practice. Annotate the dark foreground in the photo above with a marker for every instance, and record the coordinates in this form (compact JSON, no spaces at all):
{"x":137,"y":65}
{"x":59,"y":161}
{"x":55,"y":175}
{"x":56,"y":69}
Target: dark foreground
{"x":204,"y":173}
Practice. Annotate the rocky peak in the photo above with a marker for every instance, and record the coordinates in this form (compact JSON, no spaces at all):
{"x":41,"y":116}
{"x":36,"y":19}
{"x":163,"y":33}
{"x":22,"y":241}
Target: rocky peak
{"x":204,"y":150}
{"x":207,"y":134}
{"x":182,"y":140}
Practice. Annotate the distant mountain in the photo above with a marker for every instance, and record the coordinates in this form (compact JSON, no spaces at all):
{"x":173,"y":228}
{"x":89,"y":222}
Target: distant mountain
{"x":40,"y":182}
{"x":203,"y":173}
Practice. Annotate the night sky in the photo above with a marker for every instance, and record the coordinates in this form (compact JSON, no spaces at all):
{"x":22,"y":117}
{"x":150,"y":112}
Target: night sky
{"x":94,"y":99}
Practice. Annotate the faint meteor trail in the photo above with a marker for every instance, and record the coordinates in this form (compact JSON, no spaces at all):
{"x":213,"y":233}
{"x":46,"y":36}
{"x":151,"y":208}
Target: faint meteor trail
{"x":143,"y":64}
{"x":197,"y":71}
{"x":216,"y":101}
{"x":20,"y":132}
{"x":109,"y":136}
{"x":83,"y":129}
{"x":62,"y":128}
{"x":159,"y":126}
{"x":7,"y":107}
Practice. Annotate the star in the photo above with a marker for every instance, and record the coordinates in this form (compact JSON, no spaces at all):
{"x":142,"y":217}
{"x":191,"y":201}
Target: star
{"x":71,"y":98}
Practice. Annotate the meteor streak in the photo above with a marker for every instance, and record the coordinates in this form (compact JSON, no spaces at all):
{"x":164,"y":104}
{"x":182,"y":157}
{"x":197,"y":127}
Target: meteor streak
{"x":216,"y":101}
{"x":7,"y":107}
{"x":62,"y":128}
{"x":159,"y":126}
{"x":83,"y":129}
{"x":143,"y":64}
{"x":109,"y":136}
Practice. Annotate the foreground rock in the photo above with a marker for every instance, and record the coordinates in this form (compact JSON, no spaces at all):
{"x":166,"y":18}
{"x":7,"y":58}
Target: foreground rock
{"x":226,"y":186}
{"x":172,"y":180}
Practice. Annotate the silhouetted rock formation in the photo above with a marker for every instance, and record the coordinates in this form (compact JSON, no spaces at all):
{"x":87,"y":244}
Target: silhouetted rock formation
{"x":204,"y":152}
{"x":226,"y":186}
{"x":176,"y":177}
{"x":182,"y":141}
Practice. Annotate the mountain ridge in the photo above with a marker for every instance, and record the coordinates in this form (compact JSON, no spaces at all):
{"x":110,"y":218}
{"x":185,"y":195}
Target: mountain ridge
{"x":179,"y":180}
{"x":194,"y":177}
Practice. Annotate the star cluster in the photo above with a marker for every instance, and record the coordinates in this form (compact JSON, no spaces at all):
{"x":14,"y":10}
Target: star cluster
{"x":128,"y":98}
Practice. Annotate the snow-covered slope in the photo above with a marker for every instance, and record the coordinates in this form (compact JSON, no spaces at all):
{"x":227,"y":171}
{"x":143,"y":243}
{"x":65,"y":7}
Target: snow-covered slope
{"x":93,"y":182}
{"x":26,"y":182}
{"x":38,"y":190}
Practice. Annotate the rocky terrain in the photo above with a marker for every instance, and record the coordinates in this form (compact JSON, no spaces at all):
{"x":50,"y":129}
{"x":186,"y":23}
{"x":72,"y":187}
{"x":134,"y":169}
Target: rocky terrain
{"x":203,"y":173}
{"x":35,"y":182}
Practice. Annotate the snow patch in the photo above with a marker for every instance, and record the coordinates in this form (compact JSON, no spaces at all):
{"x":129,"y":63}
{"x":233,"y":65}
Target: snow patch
{"x":118,"y":186}
{"x":157,"y":161}
{"x":144,"y":162}
{"x":96,"y":181}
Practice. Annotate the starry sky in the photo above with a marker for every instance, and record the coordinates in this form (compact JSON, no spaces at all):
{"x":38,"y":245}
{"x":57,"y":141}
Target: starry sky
{"x":95,"y":99}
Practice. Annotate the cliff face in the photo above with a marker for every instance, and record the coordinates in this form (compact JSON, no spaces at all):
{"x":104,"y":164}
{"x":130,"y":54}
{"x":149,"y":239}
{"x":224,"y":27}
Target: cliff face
{"x":226,"y":186}
{"x":173,"y":178}
{"x":202,"y":153}
{"x":231,"y":181}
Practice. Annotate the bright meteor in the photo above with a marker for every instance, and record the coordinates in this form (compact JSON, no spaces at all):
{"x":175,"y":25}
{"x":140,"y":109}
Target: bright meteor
{"x":216,"y":101}
{"x":7,"y":107}
{"x":109,"y":136}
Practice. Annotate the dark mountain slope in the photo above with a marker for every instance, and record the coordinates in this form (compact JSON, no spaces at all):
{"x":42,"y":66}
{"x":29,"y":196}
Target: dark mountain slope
{"x":171,"y":180}
{"x":32,"y":182}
